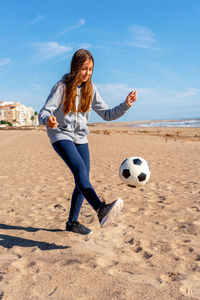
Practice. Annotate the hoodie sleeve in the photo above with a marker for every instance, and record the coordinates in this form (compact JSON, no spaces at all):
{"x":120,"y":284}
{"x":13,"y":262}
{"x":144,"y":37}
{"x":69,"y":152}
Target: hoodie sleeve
{"x":104,"y":111}
{"x":52,"y":103}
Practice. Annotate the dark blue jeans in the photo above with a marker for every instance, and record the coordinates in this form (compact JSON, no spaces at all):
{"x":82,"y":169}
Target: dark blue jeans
{"x":77,"y":158}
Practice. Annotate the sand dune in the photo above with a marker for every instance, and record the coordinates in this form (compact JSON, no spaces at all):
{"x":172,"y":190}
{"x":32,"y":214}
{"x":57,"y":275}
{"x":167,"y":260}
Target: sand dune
{"x":152,"y":251}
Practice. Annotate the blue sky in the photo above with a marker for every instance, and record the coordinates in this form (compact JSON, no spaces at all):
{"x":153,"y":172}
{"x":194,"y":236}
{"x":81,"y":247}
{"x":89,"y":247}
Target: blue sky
{"x":151,"y":46}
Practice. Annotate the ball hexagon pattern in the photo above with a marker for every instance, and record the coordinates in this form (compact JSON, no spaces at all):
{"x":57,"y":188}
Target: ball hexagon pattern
{"x":134,"y":171}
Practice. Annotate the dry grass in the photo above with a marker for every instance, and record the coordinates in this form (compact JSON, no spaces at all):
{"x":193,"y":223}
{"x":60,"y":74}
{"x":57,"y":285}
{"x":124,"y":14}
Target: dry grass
{"x":184,"y":135}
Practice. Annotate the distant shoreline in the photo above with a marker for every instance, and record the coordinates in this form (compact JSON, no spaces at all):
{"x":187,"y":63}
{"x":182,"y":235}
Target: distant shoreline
{"x":179,"y":123}
{"x":195,"y":123}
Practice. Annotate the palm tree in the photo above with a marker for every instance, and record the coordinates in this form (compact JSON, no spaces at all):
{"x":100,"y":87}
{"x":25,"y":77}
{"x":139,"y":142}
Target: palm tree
{"x":36,"y":117}
{"x":32,"y":119}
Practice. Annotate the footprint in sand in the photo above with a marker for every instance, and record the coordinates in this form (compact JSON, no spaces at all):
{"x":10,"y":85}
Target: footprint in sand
{"x":138,"y":278}
{"x":172,"y":276}
{"x":128,"y":237}
{"x":139,"y":249}
{"x":88,"y":218}
{"x":106,"y":262}
{"x":191,"y":288}
{"x":6,"y":261}
{"x":24,"y":266}
{"x":39,"y":286}
{"x":187,"y":228}
{"x":136,"y":246}
{"x":8,"y":258}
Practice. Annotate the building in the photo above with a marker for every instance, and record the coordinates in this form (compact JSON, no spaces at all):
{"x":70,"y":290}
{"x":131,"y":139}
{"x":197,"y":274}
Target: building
{"x":18,"y":114}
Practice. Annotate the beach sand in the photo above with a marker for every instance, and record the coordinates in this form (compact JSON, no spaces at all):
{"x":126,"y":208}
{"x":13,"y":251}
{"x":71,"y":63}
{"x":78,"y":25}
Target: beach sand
{"x":151,"y":251}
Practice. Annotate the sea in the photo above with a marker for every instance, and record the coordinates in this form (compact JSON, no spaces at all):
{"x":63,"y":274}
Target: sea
{"x":193,"y":123}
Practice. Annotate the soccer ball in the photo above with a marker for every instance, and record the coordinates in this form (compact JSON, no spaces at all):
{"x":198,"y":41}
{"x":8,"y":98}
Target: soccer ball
{"x":134,"y":171}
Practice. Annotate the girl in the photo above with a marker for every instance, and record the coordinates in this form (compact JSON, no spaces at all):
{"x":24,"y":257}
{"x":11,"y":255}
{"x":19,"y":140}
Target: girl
{"x":66,"y":113}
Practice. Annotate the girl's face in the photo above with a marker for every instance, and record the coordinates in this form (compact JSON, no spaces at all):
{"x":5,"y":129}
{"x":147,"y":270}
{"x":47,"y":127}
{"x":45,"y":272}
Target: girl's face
{"x":86,"y":71}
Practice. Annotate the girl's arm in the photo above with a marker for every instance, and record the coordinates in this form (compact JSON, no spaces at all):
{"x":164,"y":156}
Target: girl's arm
{"x":52,"y":103}
{"x":107,"y":113}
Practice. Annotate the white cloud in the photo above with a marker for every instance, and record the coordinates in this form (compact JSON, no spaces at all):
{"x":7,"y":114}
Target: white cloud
{"x":50,"y":50}
{"x":174,"y":96}
{"x":143,"y":92}
{"x":133,"y":44}
{"x":179,"y":95}
{"x":114,"y":93}
{"x":120,"y":89}
{"x":80,"y":23}
{"x":142,"y":37}
{"x":163,"y":100}
{"x":4,"y":61}
{"x":84,"y":46}
{"x":36,"y":20}
{"x":148,"y":97}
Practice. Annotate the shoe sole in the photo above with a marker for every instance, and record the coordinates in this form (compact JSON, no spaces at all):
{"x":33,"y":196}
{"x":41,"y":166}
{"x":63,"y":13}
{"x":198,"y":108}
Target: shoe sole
{"x":91,"y":232}
{"x":113,"y":212}
{"x":70,"y":230}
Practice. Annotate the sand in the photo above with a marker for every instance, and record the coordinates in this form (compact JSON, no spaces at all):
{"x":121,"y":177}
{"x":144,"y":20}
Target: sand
{"x":151,"y":251}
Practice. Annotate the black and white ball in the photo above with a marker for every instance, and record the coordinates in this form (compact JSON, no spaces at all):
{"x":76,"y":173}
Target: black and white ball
{"x":134,"y":171}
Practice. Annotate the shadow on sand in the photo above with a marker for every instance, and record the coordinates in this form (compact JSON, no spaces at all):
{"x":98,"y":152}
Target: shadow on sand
{"x":29,"y":229}
{"x":8,"y":241}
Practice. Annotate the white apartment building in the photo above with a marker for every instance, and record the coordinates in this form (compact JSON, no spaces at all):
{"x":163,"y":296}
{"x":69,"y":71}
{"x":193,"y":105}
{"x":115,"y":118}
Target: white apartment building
{"x":17,"y":114}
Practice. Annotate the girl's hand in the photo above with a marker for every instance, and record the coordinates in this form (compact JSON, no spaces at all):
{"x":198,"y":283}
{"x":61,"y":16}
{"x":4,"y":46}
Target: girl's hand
{"x":52,"y":123}
{"x":131,"y":98}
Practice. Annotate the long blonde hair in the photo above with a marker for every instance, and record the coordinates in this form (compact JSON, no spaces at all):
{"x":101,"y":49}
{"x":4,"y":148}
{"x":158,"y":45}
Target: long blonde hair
{"x":71,"y":81}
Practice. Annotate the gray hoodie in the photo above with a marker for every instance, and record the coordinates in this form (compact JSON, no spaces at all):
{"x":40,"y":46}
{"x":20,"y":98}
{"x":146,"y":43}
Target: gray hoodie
{"x":73,"y":126}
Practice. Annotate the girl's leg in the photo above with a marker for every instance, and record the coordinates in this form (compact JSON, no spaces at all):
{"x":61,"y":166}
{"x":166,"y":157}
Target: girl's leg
{"x":69,"y":153}
{"x":77,"y":196}
{"x":76,"y":204}
{"x":105,"y":212}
